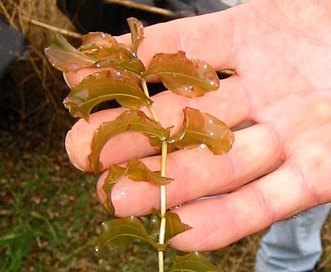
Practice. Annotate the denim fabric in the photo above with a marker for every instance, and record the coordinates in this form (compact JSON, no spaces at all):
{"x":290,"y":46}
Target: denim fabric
{"x":232,"y":3}
{"x":293,"y":245}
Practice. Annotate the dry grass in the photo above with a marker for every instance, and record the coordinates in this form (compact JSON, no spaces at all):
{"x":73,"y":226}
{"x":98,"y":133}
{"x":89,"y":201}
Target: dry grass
{"x":32,"y":91}
{"x":24,"y":15}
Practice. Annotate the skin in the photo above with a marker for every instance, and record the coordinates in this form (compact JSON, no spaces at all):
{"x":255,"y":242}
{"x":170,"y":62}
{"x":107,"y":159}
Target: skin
{"x":279,"y":165}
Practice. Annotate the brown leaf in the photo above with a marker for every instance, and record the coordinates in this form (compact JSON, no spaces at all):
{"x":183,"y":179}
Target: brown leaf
{"x":136,"y":171}
{"x":187,"y":77}
{"x":130,"y":120}
{"x":104,"y":86}
{"x":202,"y":128}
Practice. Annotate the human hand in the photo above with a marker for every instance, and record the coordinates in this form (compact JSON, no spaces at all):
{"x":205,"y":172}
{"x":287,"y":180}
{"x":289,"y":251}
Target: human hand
{"x":279,"y":166}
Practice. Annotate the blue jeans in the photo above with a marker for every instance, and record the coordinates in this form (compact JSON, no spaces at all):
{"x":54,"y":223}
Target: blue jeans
{"x":293,"y":245}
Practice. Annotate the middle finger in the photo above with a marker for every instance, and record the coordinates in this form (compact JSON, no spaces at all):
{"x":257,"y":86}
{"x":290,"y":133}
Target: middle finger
{"x":190,"y":168}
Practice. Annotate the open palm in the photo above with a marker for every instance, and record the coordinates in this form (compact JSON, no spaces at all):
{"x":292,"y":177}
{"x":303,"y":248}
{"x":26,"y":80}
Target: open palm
{"x":279,"y":97}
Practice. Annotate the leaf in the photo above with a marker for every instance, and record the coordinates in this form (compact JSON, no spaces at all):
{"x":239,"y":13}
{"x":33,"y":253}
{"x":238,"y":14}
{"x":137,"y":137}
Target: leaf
{"x":190,"y":78}
{"x":98,"y":50}
{"x":63,"y":56}
{"x":202,"y":128}
{"x":103,"y":86}
{"x":103,"y":46}
{"x":174,"y":226}
{"x":121,"y":233}
{"x":135,"y":66}
{"x":107,"y":52}
{"x":138,"y":171}
{"x":193,"y":262}
{"x":114,"y":174}
{"x":154,"y":225}
{"x":135,"y":171}
{"x":98,"y":40}
{"x":130,"y":120}
{"x":137,"y":33}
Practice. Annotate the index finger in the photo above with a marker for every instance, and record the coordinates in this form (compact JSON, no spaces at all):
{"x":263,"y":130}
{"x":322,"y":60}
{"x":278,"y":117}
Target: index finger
{"x":203,"y":37}
{"x":207,"y":37}
{"x":169,"y":107}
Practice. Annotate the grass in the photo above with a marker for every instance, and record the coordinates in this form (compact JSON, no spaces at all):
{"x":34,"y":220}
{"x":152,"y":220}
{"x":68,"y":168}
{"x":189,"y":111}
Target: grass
{"x":45,"y":222}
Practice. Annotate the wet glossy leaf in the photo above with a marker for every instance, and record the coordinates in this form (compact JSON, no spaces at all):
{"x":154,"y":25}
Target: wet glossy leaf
{"x":107,"y":52}
{"x":174,"y":226}
{"x":104,"y":86}
{"x":63,"y":56}
{"x":121,"y":233}
{"x":135,"y":66}
{"x":115,"y":172}
{"x":138,"y":171}
{"x":102,"y":46}
{"x":130,"y":120}
{"x":187,"y":77}
{"x":154,"y":225}
{"x":202,"y":128}
{"x":135,"y":171}
{"x":193,"y":262}
{"x":98,"y":50}
{"x":96,"y":40}
{"x":137,"y":33}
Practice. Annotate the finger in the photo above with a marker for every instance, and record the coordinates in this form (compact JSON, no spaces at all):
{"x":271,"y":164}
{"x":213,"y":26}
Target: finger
{"x":193,"y":35}
{"x":198,"y":173}
{"x":219,"y":222}
{"x":168,"y":107}
{"x":302,"y":182}
{"x":188,"y":35}
{"x":310,"y":156}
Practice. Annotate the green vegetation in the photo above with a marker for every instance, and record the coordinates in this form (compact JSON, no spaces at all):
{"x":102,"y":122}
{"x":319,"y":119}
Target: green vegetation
{"x":44,"y":223}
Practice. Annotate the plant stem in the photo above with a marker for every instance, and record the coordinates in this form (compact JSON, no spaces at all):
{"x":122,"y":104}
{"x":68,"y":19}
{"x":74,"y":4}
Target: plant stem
{"x":163,"y":205}
{"x":53,"y":28}
{"x":150,"y":107}
{"x":163,"y":197}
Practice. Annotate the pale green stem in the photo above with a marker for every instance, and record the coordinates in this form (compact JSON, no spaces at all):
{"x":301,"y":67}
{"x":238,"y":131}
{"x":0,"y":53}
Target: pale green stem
{"x":150,"y":107}
{"x":163,"y":204}
{"x":163,"y":199}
